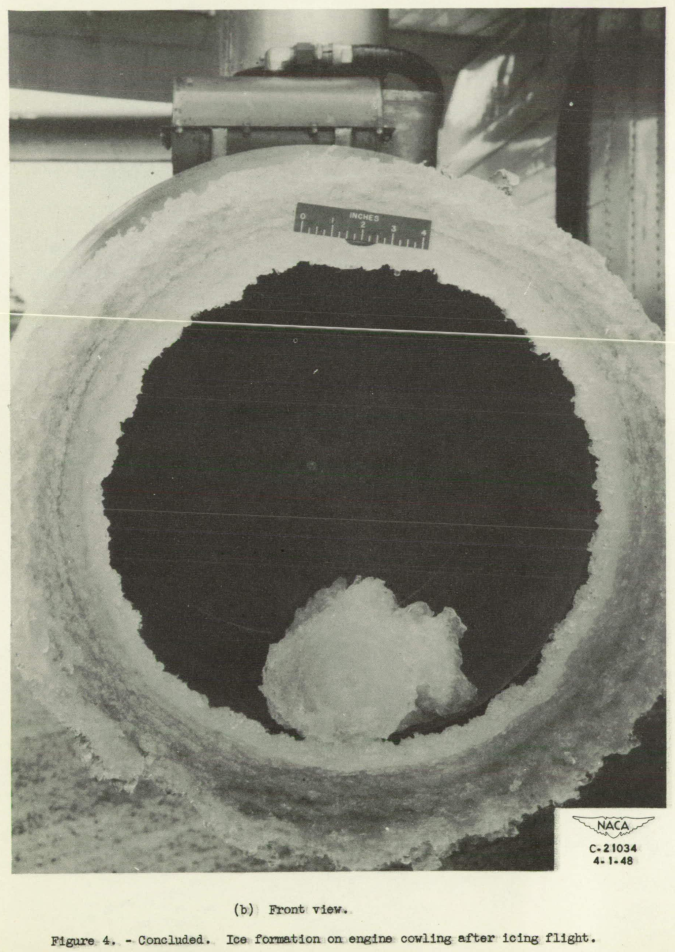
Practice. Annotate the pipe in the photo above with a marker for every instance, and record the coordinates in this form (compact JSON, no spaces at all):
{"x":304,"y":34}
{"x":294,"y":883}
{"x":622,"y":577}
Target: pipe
{"x":40,"y":104}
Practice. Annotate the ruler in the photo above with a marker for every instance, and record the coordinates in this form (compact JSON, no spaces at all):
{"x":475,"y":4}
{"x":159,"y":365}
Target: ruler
{"x":361,"y":227}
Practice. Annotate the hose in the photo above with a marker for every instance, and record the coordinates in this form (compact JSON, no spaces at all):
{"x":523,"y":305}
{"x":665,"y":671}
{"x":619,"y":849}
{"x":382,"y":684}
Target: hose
{"x":380,"y":60}
{"x":367,"y":61}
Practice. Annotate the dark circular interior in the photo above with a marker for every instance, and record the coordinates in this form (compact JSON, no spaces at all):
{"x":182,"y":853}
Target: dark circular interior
{"x":263,"y":463}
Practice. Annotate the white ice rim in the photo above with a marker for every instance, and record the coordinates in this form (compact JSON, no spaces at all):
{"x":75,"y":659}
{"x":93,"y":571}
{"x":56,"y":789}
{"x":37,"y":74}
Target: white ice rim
{"x":186,"y":257}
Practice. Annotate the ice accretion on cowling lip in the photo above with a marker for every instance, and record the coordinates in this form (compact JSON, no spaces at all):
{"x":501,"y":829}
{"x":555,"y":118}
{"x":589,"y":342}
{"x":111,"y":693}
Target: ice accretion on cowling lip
{"x":177,"y":254}
{"x":354,"y":666}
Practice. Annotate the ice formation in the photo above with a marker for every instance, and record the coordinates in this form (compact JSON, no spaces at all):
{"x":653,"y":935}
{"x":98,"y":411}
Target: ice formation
{"x":356,"y":666}
{"x":304,"y":804}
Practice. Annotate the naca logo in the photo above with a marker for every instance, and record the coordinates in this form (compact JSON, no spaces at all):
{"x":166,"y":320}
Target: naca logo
{"x":613,"y":826}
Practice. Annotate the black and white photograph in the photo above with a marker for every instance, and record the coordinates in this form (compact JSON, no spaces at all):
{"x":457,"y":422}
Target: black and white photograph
{"x":337,"y":443}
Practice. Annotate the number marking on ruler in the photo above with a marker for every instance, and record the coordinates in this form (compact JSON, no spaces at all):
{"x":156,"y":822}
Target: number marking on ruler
{"x":362,"y":227}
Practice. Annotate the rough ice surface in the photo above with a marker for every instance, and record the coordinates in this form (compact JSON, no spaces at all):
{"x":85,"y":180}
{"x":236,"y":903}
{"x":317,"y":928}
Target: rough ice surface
{"x":307,"y":804}
{"x":356,"y":666}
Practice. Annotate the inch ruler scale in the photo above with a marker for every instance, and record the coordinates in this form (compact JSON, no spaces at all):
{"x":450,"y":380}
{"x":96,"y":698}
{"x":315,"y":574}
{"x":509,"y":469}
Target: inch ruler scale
{"x":361,"y":227}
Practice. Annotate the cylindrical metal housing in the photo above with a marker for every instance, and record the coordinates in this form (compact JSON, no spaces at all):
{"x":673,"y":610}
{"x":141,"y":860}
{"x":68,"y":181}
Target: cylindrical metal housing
{"x":260,"y":112}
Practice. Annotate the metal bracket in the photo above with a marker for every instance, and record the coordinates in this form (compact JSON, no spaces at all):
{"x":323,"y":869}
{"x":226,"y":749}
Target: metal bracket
{"x":343,"y":136}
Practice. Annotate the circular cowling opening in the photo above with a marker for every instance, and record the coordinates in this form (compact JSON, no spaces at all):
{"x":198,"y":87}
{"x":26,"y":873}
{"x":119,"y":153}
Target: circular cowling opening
{"x":276,"y":799}
{"x":262,"y":464}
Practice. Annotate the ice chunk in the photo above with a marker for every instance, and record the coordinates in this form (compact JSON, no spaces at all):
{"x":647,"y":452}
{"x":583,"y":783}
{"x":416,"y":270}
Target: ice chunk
{"x":355,"y":666}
